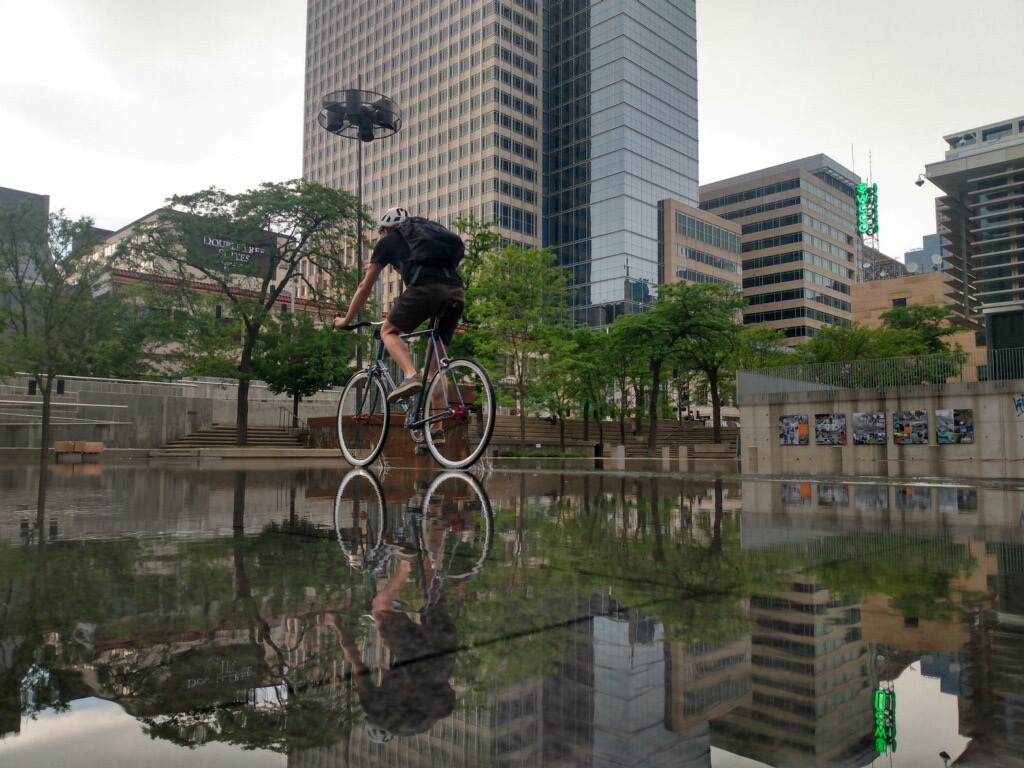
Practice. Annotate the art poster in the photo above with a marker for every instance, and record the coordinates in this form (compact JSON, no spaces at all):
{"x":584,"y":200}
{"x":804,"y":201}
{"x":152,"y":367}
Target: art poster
{"x":833,"y":496}
{"x":910,"y":427}
{"x":798,"y":494}
{"x":830,"y":429}
{"x":954,"y":426}
{"x":871,"y":498}
{"x":794,"y":430}
{"x":869,"y":428}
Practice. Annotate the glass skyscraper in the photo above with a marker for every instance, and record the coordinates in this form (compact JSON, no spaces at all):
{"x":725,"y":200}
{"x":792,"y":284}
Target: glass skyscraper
{"x":563,"y":123}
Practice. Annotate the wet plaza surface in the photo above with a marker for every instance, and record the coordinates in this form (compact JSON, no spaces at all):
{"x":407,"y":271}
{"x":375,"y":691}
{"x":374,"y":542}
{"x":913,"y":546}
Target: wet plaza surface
{"x":279,"y":614}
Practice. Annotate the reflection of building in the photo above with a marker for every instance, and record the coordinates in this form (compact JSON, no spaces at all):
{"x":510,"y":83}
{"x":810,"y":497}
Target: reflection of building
{"x":992,"y":707}
{"x":810,"y":681}
{"x":705,"y":681}
{"x":608,"y":698}
{"x":800,"y":241}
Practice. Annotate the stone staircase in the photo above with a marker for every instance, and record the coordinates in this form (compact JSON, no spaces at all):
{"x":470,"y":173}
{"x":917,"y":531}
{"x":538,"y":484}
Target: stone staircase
{"x":223,"y":436}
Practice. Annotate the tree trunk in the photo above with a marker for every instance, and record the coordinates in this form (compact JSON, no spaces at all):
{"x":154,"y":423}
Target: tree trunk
{"x":561,"y":431}
{"x":295,"y":411}
{"x":586,"y":420}
{"x":652,"y":438}
{"x":45,"y":385}
{"x":638,"y":415}
{"x":522,"y":416}
{"x":242,"y":413}
{"x":716,"y":406}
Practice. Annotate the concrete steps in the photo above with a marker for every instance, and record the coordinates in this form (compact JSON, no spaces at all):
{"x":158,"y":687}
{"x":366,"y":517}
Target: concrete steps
{"x":223,"y":436}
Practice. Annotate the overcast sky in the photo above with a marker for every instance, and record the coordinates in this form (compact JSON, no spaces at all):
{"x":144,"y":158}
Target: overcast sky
{"x":111,"y":106}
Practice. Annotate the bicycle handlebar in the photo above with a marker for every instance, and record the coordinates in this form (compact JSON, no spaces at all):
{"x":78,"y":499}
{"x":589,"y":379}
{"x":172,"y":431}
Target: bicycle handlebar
{"x":361,"y":324}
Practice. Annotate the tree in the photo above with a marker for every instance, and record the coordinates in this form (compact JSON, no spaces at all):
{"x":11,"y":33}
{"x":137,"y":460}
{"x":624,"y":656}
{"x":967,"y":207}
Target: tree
{"x":243,"y":251}
{"x":557,"y":386}
{"x":295,"y":357}
{"x":921,"y":327}
{"x":57,"y":314}
{"x":680,"y":312}
{"x":517,"y":293}
{"x":711,"y":348}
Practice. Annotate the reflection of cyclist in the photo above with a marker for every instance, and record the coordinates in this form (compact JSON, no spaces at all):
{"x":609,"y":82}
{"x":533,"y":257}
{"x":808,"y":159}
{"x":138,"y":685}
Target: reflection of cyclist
{"x":414,"y":692}
{"x":434,"y":289}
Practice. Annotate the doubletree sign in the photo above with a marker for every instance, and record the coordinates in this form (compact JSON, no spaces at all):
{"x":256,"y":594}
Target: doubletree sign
{"x":867,"y":208}
{"x":234,"y":257}
{"x":885,"y":721}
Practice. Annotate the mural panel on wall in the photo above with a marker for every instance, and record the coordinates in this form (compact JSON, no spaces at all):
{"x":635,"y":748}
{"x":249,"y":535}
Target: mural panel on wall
{"x":833,"y":495}
{"x":954,"y":426}
{"x":910,"y":427}
{"x":830,"y":429}
{"x":869,"y":428}
{"x":793,"y":430}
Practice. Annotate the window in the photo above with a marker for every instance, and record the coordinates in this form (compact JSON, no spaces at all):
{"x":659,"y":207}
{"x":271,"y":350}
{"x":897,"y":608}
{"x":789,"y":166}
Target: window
{"x":899,"y":302}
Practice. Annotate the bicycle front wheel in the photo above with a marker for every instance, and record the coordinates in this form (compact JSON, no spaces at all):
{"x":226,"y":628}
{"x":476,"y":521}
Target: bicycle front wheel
{"x":360,"y":520}
{"x":459,"y":410}
{"x":363,"y":419}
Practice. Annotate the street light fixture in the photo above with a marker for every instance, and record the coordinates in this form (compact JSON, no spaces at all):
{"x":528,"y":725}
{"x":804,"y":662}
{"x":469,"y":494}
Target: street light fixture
{"x":366,"y":116}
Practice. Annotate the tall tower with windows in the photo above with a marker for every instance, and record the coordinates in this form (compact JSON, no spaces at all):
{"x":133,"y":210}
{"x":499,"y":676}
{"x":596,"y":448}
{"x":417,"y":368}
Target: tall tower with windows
{"x":579,"y":167}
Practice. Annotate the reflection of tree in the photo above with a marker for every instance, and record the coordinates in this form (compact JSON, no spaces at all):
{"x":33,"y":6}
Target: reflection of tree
{"x":916,"y":573}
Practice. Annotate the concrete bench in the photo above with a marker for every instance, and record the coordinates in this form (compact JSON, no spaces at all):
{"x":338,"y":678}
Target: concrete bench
{"x":76,"y":451}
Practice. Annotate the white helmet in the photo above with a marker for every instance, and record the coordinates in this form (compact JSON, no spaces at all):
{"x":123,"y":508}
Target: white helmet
{"x":392,"y":218}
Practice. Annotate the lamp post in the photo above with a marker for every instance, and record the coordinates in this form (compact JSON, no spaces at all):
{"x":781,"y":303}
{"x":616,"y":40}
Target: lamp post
{"x":366,"y":116}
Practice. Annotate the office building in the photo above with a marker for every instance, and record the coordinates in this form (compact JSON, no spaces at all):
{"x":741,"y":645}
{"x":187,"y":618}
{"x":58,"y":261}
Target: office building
{"x":927,"y":258}
{"x":981,"y":219}
{"x":580,"y":166}
{"x":800,"y":246}
{"x":698,"y":247}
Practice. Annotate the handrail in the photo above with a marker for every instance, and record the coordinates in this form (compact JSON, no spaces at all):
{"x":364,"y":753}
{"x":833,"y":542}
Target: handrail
{"x":293,"y":416}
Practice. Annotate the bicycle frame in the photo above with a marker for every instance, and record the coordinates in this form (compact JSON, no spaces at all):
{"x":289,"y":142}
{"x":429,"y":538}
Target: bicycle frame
{"x":435,"y":350}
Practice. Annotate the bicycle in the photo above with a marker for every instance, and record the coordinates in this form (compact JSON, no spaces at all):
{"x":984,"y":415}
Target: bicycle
{"x":453,"y":416}
{"x":455,"y":522}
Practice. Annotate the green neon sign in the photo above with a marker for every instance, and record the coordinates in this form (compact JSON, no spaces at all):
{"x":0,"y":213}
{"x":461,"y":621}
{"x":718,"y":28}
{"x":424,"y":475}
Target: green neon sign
{"x":867,"y":208}
{"x":885,"y":721}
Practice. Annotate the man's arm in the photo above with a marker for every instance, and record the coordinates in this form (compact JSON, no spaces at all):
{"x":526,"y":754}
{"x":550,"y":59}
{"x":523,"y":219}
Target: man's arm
{"x":360,"y":296}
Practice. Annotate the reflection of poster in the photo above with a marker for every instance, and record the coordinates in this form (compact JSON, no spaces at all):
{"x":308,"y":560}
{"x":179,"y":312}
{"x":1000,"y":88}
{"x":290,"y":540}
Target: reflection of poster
{"x":955,"y":500}
{"x":796,"y":493}
{"x":910,"y":427}
{"x":869,"y":428}
{"x":833,"y":496}
{"x":954,"y":426}
{"x":830,"y":428}
{"x":913,"y":498}
{"x":870,"y":498}
{"x":793,"y":430}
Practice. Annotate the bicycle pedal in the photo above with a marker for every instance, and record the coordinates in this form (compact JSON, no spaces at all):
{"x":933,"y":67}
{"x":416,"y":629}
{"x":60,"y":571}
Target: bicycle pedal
{"x":421,"y":448}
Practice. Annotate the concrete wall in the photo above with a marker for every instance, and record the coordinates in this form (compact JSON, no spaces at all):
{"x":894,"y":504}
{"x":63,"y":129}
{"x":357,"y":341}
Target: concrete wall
{"x":997,"y":451}
{"x":124,"y":414}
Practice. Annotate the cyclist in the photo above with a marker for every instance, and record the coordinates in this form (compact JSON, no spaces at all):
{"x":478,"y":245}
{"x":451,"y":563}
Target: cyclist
{"x":435,"y":288}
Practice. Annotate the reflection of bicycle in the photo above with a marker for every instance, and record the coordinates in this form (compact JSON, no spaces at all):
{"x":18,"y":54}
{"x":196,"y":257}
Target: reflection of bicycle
{"x":453,"y":415}
{"x":453,"y":527}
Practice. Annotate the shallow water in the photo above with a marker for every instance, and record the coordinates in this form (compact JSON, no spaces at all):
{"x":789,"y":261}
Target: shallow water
{"x":284,"y":616}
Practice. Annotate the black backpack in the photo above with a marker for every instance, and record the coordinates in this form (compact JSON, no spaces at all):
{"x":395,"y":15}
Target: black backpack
{"x":430,"y":245}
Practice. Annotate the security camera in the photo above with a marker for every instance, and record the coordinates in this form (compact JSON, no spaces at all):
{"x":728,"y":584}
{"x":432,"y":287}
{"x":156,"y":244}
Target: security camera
{"x":920,"y":182}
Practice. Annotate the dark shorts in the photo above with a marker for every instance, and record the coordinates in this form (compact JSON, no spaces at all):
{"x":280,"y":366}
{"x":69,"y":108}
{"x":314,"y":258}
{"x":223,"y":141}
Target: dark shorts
{"x":419,"y":303}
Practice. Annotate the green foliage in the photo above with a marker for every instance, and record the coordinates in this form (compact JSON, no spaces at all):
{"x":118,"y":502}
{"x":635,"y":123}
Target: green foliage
{"x":57,"y":313}
{"x":518,"y":294}
{"x":909,"y":348}
{"x":295,"y":357}
{"x":241,"y":253}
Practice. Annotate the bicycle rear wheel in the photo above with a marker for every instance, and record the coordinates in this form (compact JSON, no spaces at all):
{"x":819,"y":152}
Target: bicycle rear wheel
{"x":360,"y":520}
{"x":457,"y":525}
{"x":363,"y":419}
{"x":459,"y":408}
